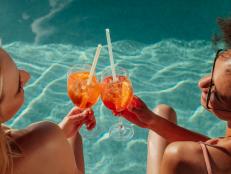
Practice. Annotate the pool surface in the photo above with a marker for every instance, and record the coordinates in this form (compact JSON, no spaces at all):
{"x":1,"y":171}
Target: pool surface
{"x":166,"y":47}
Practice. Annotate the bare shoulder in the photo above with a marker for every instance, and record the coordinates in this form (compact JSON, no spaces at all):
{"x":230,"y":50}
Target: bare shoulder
{"x":38,"y":127}
{"x":34,"y":133}
{"x":43,"y":144}
{"x":187,"y":157}
{"x":220,"y":156}
{"x":183,"y":157}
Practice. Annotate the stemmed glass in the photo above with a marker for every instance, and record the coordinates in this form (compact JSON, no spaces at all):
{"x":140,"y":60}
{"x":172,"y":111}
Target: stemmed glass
{"x":116,"y":94}
{"x":81,"y":94}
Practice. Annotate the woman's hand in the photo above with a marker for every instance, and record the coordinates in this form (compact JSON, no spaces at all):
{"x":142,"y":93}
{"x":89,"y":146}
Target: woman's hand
{"x":137,"y":112}
{"x":74,"y":120}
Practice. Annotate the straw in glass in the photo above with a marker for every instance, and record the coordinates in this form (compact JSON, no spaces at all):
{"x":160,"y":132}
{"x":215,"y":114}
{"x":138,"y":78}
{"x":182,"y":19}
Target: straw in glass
{"x":110,"y":54}
{"x":97,"y":53}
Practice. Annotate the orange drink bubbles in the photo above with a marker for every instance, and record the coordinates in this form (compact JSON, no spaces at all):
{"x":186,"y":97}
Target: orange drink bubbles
{"x":82,"y":95}
{"x":116,"y":95}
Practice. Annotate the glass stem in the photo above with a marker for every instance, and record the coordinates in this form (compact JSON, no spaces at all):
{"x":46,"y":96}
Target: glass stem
{"x":121,"y":122}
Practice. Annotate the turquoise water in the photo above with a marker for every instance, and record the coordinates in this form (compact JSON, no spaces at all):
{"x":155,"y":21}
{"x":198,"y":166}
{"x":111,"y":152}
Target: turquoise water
{"x":165,"y":46}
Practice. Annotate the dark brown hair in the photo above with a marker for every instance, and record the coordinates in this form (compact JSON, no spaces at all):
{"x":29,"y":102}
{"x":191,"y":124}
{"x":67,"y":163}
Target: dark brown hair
{"x":225,"y":37}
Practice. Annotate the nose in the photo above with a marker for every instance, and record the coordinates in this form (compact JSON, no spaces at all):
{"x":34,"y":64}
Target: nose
{"x":204,"y":82}
{"x":25,"y":77}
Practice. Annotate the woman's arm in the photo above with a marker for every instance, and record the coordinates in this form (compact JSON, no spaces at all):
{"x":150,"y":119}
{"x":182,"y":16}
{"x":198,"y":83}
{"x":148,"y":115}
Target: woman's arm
{"x":173,"y":132}
{"x":139,"y":114}
{"x":70,"y":126}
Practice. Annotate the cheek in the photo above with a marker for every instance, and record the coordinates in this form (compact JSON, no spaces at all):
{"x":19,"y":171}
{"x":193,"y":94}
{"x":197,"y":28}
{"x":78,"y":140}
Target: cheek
{"x":222,"y":115}
{"x":19,"y":101}
{"x":9,"y":109}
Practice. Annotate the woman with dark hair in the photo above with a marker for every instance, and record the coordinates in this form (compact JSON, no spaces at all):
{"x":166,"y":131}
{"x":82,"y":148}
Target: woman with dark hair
{"x":176,"y":150}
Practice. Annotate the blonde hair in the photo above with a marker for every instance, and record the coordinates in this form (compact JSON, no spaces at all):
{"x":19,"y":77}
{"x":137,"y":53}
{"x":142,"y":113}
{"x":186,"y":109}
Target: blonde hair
{"x":6,"y":159}
{"x":6,"y":162}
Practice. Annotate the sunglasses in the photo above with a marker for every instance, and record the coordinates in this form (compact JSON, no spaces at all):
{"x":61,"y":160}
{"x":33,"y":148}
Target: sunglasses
{"x":212,"y":88}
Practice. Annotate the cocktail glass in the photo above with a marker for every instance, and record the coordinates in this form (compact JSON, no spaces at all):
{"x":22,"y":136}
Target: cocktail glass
{"x":82,"y":95}
{"x":116,"y":94}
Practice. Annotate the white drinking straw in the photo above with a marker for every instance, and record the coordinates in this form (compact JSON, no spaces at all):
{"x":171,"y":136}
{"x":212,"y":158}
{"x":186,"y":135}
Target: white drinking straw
{"x":0,"y":42}
{"x":110,"y":54}
{"x":97,"y":53}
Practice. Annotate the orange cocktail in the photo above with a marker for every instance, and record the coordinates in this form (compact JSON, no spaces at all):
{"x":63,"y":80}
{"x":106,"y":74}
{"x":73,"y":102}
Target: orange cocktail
{"x":82,"y":95}
{"x":116,"y":95}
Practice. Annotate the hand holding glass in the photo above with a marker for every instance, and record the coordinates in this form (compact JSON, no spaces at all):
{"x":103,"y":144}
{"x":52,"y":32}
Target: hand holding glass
{"x":82,"y":94}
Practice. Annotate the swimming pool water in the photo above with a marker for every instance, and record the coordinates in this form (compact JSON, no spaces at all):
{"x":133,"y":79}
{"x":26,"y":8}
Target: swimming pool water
{"x":83,"y":22}
{"x":164,"y":72}
{"x":165,"y":46}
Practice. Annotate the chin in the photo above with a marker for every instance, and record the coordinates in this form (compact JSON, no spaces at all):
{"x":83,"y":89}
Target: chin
{"x":203,"y":103}
{"x":225,"y":116}
{"x":5,"y":118}
{"x":9,"y":115}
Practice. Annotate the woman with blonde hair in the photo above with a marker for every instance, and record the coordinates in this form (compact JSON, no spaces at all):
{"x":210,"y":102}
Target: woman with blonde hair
{"x":43,"y":147}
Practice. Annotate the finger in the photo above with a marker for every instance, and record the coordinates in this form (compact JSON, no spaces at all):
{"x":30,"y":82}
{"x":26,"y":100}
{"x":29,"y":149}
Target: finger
{"x":136,"y":103}
{"x":75,"y":110}
{"x":90,"y":115}
{"x":90,"y":112}
{"x":91,"y":125}
{"x":86,"y":112}
{"x":77,"y":117}
{"x":90,"y":120}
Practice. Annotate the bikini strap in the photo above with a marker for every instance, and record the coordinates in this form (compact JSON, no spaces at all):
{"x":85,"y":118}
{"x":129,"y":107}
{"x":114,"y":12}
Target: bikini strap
{"x":206,"y":157}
